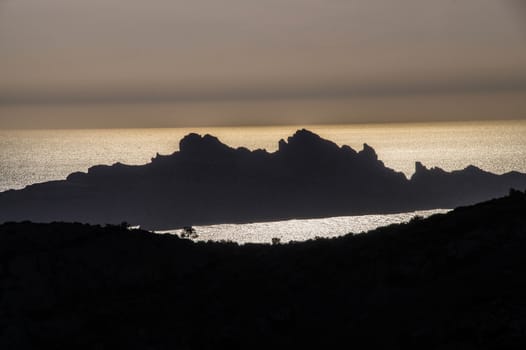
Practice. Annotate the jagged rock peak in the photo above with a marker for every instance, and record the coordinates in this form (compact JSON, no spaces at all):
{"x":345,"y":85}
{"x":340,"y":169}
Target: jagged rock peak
{"x":303,"y":134}
{"x":419,"y":167}
{"x":306,"y":140}
{"x":473,"y":169}
{"x":195,"y":143}
{"x":368,"y":152}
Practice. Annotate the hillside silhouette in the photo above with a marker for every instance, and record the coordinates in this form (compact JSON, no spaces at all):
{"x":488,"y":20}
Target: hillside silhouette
{"x":452,"y":281}
{"x":208,"y":182}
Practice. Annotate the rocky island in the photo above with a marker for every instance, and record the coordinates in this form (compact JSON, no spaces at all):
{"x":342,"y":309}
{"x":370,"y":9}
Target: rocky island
{"x":208,"y":182}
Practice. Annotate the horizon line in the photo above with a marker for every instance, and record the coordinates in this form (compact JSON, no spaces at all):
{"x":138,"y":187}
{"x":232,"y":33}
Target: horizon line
{"x":294,"y":125}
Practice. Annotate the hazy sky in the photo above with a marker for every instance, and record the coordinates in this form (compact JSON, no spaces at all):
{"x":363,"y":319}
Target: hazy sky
{"x":72,"y":63}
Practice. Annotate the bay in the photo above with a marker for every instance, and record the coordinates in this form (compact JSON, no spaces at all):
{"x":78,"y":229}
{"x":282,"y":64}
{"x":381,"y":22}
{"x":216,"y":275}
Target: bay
{"x":300,"y":229}
{"x":32,"y":156}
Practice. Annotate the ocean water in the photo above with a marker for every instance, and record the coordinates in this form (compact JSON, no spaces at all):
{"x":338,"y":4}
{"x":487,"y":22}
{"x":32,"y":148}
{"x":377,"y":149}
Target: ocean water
{"x":300,"y":230}
{"x":32,"y":156}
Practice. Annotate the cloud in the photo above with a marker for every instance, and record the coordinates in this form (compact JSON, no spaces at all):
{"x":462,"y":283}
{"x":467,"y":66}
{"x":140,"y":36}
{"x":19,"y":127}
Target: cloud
{"x":268,"y":93}
{"x":104,"y":52}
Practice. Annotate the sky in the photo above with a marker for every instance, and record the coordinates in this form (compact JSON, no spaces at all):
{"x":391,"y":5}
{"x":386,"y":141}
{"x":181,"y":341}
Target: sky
{"x":157,"y":63}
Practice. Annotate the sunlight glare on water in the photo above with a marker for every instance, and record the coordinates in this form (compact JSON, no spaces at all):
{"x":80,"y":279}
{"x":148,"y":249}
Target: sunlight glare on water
{"x":31,"y":156}
{"x":301,"y":230}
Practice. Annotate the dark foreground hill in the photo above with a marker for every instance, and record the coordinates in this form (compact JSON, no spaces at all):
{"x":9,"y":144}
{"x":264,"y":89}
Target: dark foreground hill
{"x":453,"y":281}
{"x":208,"y":182}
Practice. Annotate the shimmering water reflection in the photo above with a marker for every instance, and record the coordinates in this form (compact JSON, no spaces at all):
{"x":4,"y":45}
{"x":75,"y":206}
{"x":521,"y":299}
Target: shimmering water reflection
{"x":28,"y":157}
{"x":301,"y":230}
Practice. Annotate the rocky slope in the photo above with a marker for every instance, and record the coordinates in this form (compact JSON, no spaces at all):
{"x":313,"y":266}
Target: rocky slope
{"x":452,"y":281}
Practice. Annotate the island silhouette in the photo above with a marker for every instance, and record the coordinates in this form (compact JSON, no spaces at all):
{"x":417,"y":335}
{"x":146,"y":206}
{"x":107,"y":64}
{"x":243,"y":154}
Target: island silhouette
{"x":208,"y":182}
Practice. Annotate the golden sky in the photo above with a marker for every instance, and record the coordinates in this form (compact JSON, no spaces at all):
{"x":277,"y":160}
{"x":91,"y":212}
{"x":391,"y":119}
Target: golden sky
{"x":135,"y":63}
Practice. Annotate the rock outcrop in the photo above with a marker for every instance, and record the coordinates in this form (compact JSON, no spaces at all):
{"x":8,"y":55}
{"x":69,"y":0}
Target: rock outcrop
{"x":209,"y":182}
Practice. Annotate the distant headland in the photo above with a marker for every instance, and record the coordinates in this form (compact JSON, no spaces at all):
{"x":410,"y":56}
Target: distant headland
{"x":208,"y":182}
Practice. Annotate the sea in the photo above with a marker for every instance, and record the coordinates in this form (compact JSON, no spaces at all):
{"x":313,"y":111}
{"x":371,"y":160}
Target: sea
{"x":300,"y":229}
{"x":33,"y":156}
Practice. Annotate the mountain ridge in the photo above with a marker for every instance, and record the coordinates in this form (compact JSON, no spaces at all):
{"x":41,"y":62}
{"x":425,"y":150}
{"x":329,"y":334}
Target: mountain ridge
{"x":208,"y":182}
